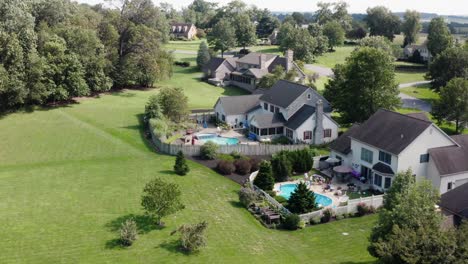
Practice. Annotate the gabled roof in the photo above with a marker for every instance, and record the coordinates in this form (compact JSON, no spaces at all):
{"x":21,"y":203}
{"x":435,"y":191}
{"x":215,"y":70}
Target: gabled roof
{"x":184,"y":27}
{"x":420,"y":115}
{"x":451,"y":159}
{"x":390,"y":131}
{"x":214,"y":63}
{"x":267,"y":120}
{"x":281,"y":61}
{"x":257,"y":73}
{"x":304,"y":113}
{"x":343,"y":143}
{"x":456,"y":200}
{"x":238,"y":105}
{"x":254,"y":58}
{"x":283,"y":93}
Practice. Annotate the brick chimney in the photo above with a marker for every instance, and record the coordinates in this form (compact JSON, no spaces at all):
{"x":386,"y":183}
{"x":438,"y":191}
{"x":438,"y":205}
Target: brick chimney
{"x":318,"y":133}
{"x":289,"y":54}
{"x":262,"y":61}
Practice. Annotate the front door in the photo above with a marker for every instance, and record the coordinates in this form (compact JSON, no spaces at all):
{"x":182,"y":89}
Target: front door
{"x":366,"y":173}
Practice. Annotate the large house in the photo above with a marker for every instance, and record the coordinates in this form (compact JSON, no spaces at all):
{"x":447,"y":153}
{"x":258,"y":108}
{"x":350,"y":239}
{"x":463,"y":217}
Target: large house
{"x":286,"y":109}
{"x":454,"y":205}
{"x":183,"y":30}
{"x":390,"y":142}
{"x":411,"y":50}
{"x":246,"y":72}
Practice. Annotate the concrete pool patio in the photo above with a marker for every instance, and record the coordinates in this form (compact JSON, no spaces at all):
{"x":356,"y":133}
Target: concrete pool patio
{"x":316,"y":188}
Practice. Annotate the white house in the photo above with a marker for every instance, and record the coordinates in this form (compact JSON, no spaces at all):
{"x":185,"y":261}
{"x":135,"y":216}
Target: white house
{"x":390,"y":142}
{"x":286,"y":109}
{"x":410,"y":49}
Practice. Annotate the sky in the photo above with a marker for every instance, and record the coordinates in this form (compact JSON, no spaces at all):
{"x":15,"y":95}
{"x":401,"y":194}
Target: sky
{"x":441,"y":7}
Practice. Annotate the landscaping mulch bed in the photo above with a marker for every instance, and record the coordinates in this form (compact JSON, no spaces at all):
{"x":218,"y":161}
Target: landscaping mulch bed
{"x":240,"y":179}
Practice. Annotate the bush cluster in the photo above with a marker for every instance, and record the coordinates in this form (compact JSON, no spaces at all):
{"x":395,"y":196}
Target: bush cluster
{"x":327,"y":215}
{"x":209,"y":150}
{"x":363,"y":209}
{"x":128,"y":232}
{"x":292,"y":222}
{"x":182,"y":63}
{"x":285,"y":162}
{"x":247,"y":196}
{"x":243,"y":166}
{"x":226,"y":167}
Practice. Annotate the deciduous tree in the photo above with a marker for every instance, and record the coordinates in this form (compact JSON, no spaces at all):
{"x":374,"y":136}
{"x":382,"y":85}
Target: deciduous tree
{"x":411,"y":26}
{"x":222,"y":37}
{"x":382,"y":22}
{"x":335,"y":34}
{"x":453,"y":103}
{"x":439,"y":37}
{"x":451,"y":63}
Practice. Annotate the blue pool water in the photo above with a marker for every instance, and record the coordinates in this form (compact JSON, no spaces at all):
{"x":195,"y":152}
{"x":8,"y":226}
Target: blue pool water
{"x":218,"y":140}
{"x":287,"y":189}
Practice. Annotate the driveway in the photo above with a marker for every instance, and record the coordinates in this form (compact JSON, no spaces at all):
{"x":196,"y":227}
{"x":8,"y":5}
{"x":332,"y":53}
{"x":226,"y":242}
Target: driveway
{"x":320,"y":70}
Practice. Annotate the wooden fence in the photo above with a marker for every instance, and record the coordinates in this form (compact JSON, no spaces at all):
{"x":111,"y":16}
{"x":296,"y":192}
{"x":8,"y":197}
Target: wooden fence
{"x":351,"y":207}
{"x":194,"y":150}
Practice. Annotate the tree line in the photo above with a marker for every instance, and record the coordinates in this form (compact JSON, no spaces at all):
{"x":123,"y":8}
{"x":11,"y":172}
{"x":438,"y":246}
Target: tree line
{"x":52,"y":51}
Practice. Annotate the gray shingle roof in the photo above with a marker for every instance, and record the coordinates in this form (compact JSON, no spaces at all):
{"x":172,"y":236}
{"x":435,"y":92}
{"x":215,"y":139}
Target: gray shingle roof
{"x":343,"y":143}
{"x":237,"y":105}
{"x":452,"y":159}
{"x":266,"y":120}
{"x":383,"y":168}
{"x":213,"y":64}
{"x":420,"y":115}
{"x":456,"y":200}
{"x":254,"y":58}
{"x":390,"y":131}
{"x":283,"y":93}
{"x":304,"y":113}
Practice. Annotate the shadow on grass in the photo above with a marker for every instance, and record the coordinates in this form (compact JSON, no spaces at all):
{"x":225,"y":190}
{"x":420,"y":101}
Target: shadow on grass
{"x":114,"y":244}
{"x":173,"y":246}
{"x":144,"y":223}
{"x":236,"y":204}
{"x":168,"y":172}
{"x":359,"y":262}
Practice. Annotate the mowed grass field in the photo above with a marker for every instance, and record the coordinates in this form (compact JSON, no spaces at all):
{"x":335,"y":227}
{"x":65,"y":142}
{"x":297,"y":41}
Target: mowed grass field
{"x":70,"y":175}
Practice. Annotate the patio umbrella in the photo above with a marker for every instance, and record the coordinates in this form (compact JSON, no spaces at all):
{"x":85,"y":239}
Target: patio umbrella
{"x":342,"y":169}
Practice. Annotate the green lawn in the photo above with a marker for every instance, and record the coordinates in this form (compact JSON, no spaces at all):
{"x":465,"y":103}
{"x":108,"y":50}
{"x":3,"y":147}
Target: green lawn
{"x":69,"y":176}
{"x":422,"y":92}
{"x":409,"y":76}
{"x":330,"y":59}
{"x":183,"y":45}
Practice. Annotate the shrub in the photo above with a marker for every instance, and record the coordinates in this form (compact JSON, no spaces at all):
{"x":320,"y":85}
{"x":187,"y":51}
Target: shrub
{"x":280,"y":199}
{"x":153,"y":108}
{"x":225,"y":167}
{"x":255,"y":164}
{"x":225,"y":157}
{"x":236,"y":155}
{"x":326,"y":217}
{"x":247,"y":196}
{"x":264,"y":179}
{"x":291,"y":222}
{"x":200,"y":33}
{"x":180,"y":166}
{"x":271,"y":193}
{"x":340,"y":217}
{"x":282,"y":140}
{"x":159,"y":127}
{"x":315,"y":220}
{"x":192,"y":237}
{"x":209,"y":150}
{"x":362,"y":209}
{"x":242,"y":166}
{"x":128,"y":232}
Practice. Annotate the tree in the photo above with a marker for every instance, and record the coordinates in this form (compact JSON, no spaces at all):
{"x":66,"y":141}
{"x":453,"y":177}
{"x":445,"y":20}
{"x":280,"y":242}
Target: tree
{"x":192,"y":237}
{"x":411,"y":26}
{"x":338,"y":11}
{"x":453,"y":103}
{"x":281,"y":166}
{"x":209,"y":150}
{"x":335,"y":34}
{"x":461,"y":233}
{"x":222,"y":37}
{"x":128,"y":232}
{"x":180,"y":166}
{"x":266,"y":25}
{"x":439,"y":37}
{"x":270,"y":79}
{"x":408,"y":228}
{"x":152,"y":108}
{"x":451,"y":63}
{"x":299,"y":40}
{"x":160,"y":199}
{"x":203,"y":55}
{"x":358,"y":30}
{"x":368,"y":77}
{"x":247,"y":196}
{"x":245,"y":30}
{"x":173,"y":102}
{"x":377,"y":42}
{"x":264,"y":179}
{"x":382,"y":22}
{"x":302,"y":200}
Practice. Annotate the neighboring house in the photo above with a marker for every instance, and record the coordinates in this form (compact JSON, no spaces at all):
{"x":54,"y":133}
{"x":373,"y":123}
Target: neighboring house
{"x":424,"y":53}
{"x":454,"y":205}
{"x":274,"y":37}
{"x":390,"y":142}
{"x":246,"y":72}
{"x":183,"y":30}
{"x":286,"y":109}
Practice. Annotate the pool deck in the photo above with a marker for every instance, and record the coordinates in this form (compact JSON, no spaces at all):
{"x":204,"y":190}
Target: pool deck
{"x":225,"y":133}
{"x":316,"y":188}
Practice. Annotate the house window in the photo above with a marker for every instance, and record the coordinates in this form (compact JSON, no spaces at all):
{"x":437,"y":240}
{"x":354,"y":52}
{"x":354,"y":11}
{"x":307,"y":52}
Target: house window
{"x":449,"y":186}
{"x":223,"y":118}
{"x":366,"y":155}
{"x":271,"y":131}
{"x":272,"y":108}
{"x":289,"y":133}
{"x":264,"y":132}
{"x":424,"y":158}
{"x":308,"y":96}
{"x":307,"y":135}
{"x":265,"y":106}
{"x":279,"y":130}
{"x":378,"y":180}
{"x":327,"y":132}
{"x":385,"y":157}
{"x":388,"y":182}
{"x":276,"y":109}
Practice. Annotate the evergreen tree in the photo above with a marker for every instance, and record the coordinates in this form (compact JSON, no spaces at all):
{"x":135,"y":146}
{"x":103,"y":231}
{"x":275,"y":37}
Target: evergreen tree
{"x":180,"y":166}
{"x":203,"y":55}
{"x":281,"y":166}
{"x":264,"y":179}
{"x":302,"y":200}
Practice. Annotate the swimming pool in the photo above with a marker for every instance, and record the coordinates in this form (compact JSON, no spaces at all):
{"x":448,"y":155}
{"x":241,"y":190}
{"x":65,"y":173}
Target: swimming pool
{"x":287,"y":189}
{"x":218,"y":140}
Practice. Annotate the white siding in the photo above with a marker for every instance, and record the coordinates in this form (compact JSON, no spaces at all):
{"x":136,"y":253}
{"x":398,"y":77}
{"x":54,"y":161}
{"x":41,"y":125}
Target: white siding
{"x":346,"y":159}
{"x":432,"y":137}
{"x":230,"y":119}
{"x":356,"y":147}
{"x":309,"y":124}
